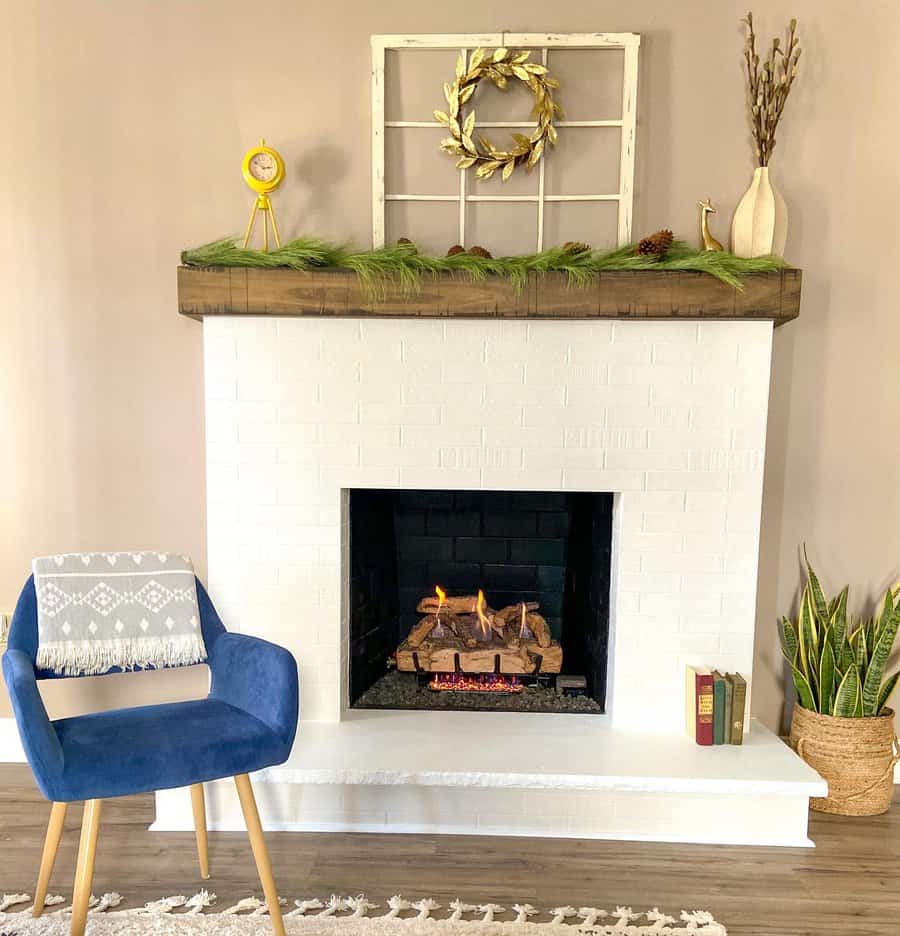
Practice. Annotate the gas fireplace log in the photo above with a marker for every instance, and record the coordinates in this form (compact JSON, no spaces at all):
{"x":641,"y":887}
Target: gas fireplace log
{"x":422,"y":630}
{"x":539,"y":627}
{"x":471,"y":624}
{"x":454,"y":625}
{"x":496,"y":626}
{"x":467,"y":628}
{"x":461,"y":604}
{"x":511,"y":618}
{"x":512,"y":613}
{"x":440,"y":656}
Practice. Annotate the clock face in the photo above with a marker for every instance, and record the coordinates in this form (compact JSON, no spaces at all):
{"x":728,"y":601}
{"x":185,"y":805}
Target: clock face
{"x":262,"y":167}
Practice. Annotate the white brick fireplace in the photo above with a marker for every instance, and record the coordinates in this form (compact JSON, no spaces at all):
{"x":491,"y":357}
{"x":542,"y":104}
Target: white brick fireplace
{"x":670,"y":416}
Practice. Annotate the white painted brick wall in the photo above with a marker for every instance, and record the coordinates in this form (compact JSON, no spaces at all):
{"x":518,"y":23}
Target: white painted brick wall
{"x":671,"y":416}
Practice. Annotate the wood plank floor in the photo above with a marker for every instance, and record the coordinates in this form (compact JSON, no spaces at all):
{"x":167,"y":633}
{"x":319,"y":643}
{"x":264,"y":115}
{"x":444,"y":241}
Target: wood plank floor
{"x":850,"y":883}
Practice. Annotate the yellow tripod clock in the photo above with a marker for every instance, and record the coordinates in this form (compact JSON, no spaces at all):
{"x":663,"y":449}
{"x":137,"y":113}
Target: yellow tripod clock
{"x":263,"y":170}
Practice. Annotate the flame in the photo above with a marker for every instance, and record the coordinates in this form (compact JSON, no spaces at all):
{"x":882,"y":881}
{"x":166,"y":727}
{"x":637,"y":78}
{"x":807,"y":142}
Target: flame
{"x":523,"y":629}
{"x":482,"y":618}
{"x":442,"y":596}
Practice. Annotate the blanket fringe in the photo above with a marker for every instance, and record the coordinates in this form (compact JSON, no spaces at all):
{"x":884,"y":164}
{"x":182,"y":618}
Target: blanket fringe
{"x":95,"y":657}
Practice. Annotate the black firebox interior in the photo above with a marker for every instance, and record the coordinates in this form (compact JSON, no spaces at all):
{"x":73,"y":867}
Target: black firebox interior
{"x":554,"y":548}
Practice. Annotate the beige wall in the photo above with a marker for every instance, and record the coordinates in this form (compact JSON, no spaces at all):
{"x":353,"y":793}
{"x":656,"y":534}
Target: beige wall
{"x":123,"y":124}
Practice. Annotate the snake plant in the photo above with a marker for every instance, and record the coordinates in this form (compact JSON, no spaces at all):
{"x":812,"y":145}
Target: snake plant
{"x":838,"y":663}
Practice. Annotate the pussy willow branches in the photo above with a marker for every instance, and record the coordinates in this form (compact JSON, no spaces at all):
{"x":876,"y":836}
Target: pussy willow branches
{"x":769,"y":83}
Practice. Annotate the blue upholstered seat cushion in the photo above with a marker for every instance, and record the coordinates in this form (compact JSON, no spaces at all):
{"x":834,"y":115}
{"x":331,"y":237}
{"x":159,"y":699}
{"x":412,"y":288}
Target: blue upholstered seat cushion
{"x":156,"y":747}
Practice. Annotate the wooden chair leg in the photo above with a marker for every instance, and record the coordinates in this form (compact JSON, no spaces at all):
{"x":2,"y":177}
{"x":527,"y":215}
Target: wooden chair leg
{"x":260,"y":852}
{"x":84,"y":870}
{"x":199,"y":803}
{"x":48,"y":858}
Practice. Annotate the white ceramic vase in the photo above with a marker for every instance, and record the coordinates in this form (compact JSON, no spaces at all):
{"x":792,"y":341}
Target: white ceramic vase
{"x":760,"y":219}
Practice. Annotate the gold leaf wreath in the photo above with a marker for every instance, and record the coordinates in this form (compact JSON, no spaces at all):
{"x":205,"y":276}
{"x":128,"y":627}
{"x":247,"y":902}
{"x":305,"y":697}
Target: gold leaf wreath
{"x":499,"y":67}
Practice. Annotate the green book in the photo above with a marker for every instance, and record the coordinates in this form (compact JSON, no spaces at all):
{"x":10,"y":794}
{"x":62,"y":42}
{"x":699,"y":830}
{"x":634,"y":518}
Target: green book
{"x":729,"y":698}
{"x":718,"y":708}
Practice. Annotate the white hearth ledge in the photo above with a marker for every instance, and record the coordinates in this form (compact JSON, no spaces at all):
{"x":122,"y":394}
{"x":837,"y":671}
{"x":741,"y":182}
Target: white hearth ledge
{"x":539,"y":775}
{"x":535,"y":752}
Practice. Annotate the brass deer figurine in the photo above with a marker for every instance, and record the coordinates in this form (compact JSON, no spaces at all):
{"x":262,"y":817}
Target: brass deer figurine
{"x":706,"y":209}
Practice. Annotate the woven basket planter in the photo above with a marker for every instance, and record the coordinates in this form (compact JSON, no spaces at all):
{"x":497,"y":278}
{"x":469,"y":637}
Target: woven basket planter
{"x":856,"y":756}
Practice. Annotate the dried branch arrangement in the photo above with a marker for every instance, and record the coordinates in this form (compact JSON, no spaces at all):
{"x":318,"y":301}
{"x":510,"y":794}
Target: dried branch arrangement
{"x":498,"y":66}
{"x":769,"y":83}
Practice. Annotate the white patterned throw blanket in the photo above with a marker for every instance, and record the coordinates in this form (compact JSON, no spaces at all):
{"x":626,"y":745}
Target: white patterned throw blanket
{"x":132,"y":610}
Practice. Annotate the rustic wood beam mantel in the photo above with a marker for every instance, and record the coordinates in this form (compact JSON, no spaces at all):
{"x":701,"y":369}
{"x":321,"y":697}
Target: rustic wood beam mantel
{"x":633,"y":294}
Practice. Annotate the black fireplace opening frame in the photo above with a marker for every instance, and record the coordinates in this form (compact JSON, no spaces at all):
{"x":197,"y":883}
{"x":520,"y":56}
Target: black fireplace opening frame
{"x":550,"y":547}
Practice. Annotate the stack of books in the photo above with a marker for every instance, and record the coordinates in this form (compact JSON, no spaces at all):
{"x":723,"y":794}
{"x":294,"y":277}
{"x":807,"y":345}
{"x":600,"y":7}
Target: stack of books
{"x":715,"y":706}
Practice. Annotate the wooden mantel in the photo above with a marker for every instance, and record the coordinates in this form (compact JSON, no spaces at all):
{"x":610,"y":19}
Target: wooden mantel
{"x":643,"y":294}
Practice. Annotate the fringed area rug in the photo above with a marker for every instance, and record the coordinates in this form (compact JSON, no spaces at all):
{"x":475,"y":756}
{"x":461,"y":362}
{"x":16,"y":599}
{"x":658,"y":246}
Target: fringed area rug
{"x":346,"y":916}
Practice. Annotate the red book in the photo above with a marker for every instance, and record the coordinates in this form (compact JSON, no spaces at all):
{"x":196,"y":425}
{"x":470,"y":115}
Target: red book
{"x":700,"y":704}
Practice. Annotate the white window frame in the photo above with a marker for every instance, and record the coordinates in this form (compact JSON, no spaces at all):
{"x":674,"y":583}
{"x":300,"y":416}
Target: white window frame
{"x":628,"y":42}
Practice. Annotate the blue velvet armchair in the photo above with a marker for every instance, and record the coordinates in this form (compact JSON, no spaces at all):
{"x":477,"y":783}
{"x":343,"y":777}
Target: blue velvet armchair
{"x":247,"y":722}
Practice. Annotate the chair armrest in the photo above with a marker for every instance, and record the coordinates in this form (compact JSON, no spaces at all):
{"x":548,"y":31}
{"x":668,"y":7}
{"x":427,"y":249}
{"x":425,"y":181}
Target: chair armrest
{"x":39,"y":738}
{"x":259,"y":678}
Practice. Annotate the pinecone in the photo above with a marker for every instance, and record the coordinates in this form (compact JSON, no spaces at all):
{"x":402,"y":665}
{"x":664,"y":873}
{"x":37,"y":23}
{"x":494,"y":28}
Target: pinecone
{"x":456,"y":249}
{"x":477,"y":251}
{"x":575,"y":247}
{"x":656,"y":244}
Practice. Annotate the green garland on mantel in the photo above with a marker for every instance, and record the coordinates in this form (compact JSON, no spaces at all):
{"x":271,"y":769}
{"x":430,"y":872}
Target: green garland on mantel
{"x":403,"y":265}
